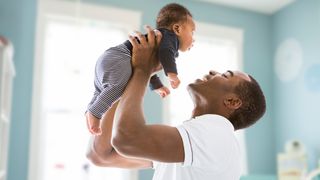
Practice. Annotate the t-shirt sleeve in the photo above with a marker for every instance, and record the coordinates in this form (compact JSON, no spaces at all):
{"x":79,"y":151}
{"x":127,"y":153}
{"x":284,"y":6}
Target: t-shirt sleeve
{"x":186,"y":145}
{"x":207,"y":145}
{"x":155,"y":164}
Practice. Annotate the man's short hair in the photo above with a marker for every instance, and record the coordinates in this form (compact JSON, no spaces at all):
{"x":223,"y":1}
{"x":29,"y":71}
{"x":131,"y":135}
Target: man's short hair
{"x":253,"y":104}
{"x":170,"y":14}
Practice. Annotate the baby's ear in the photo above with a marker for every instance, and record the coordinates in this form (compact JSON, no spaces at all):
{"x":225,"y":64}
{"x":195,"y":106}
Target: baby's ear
{"x":176,"y":28}
{"x":233,"y":102}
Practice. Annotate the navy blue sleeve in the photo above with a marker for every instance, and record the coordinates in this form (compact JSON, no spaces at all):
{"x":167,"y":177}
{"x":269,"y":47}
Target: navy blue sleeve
{"x":155,"y":82}
{"x":168,"y":51}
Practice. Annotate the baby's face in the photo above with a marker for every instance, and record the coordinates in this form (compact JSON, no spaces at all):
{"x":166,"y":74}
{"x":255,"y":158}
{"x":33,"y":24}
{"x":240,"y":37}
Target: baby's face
{"x":186,"y":36}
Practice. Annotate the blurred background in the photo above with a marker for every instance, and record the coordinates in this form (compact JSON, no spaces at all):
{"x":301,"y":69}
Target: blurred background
{"x":49,"y":49}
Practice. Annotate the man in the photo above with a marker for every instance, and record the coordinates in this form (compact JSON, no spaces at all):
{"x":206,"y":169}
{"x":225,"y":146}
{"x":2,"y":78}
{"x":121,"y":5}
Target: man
{"x":203,"y":148}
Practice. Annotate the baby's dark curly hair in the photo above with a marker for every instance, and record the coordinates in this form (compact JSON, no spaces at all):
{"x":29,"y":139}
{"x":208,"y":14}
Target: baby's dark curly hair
{"x":170,"y":14}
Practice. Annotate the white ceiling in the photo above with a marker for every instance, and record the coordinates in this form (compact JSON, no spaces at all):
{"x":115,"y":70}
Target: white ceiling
{"x":262,"y":6}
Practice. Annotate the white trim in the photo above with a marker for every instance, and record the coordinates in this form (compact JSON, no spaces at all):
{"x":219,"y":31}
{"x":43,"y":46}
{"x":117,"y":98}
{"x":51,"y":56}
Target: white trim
{"x":268,"y":7}
{"x":35,"y":141}
{"x":88,"y":11}
{"x":65,"y":9}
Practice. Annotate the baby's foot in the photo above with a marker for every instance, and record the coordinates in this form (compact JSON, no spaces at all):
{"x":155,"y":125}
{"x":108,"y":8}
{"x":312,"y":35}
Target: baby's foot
{"x":93,"y":124}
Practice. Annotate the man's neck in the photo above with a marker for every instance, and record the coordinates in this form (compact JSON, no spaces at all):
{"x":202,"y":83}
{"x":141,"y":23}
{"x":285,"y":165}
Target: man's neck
{"x":201,"y":109}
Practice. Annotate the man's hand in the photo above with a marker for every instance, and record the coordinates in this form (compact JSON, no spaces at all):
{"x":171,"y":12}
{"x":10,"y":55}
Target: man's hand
{"x":144,"y":58}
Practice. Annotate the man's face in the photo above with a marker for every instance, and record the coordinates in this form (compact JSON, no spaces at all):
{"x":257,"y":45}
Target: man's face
{"x":216,"y":85}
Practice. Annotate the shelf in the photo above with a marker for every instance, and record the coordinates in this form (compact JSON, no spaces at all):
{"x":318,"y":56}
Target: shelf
{"x":2,"y":173}
{"x":4,"y":118}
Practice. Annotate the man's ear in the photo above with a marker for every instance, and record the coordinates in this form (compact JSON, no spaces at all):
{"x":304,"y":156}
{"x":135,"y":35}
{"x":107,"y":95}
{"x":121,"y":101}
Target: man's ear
{"x":176,"y":28}
{"x":233,"y":102}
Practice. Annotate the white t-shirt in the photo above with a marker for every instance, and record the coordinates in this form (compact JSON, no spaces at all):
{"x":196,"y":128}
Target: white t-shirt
{"x":211,"y":151}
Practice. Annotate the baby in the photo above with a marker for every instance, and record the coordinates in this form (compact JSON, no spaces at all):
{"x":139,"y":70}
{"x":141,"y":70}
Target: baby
{"x":113,"y":68}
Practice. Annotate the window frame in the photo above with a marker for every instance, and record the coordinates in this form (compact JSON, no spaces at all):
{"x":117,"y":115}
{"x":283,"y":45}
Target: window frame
{"x":65,"y":9}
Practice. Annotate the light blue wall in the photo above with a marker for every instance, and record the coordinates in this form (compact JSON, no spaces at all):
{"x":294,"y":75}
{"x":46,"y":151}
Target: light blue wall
{"x":296,"y":103}
{"x":18,"y":20}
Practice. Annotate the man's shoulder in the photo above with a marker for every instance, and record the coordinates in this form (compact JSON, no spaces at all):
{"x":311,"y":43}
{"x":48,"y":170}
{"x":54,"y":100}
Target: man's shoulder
{"x":210,"y":139}
{"x":209,"y":125}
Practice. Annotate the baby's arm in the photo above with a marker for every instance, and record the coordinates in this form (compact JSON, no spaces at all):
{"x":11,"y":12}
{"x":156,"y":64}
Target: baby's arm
{"x":174,"y":80}
{"x":158,"y":87}
{"x":155,"y":82}
{"x":168,"y":51}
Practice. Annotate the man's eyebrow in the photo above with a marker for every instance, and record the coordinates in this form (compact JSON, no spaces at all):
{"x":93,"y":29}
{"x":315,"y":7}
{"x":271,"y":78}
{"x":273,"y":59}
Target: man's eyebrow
{"x":231,"y":73}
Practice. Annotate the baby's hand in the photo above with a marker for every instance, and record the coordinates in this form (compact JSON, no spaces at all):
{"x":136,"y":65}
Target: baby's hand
{"x":93,"y":124}
{"x":163,"y":91}
{"x":174,"y":80}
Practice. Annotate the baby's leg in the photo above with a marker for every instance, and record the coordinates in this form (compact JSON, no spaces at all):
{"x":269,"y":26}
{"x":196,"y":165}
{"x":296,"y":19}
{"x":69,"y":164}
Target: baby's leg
{"x":113,"y":71}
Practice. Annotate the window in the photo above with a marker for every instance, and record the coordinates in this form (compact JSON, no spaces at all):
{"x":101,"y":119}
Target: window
{"x":71,"y":37}
{"x":216,"y":48}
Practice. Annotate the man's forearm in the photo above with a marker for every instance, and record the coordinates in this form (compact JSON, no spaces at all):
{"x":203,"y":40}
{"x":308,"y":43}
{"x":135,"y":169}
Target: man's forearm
{"x":100,"y":151}
{"x":130,"y":112}
{"x":133,"y":137}
{"x":101,"y":145}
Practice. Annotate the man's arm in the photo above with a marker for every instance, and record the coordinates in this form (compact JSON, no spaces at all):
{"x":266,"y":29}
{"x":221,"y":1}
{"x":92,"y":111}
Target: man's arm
{"x":101,"y":153}
{"x":132,"y":137}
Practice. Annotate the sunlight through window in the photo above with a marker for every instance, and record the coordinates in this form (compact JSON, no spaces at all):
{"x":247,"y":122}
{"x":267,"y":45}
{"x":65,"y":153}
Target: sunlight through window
{"x":70,"y":56}
{"x":68,"y":46}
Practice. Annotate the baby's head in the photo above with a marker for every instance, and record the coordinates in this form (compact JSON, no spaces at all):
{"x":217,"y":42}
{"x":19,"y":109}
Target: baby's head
{"x":178,"y":19}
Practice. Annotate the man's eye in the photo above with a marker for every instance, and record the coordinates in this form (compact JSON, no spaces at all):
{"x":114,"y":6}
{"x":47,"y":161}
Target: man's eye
{"x":224,"y":75}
